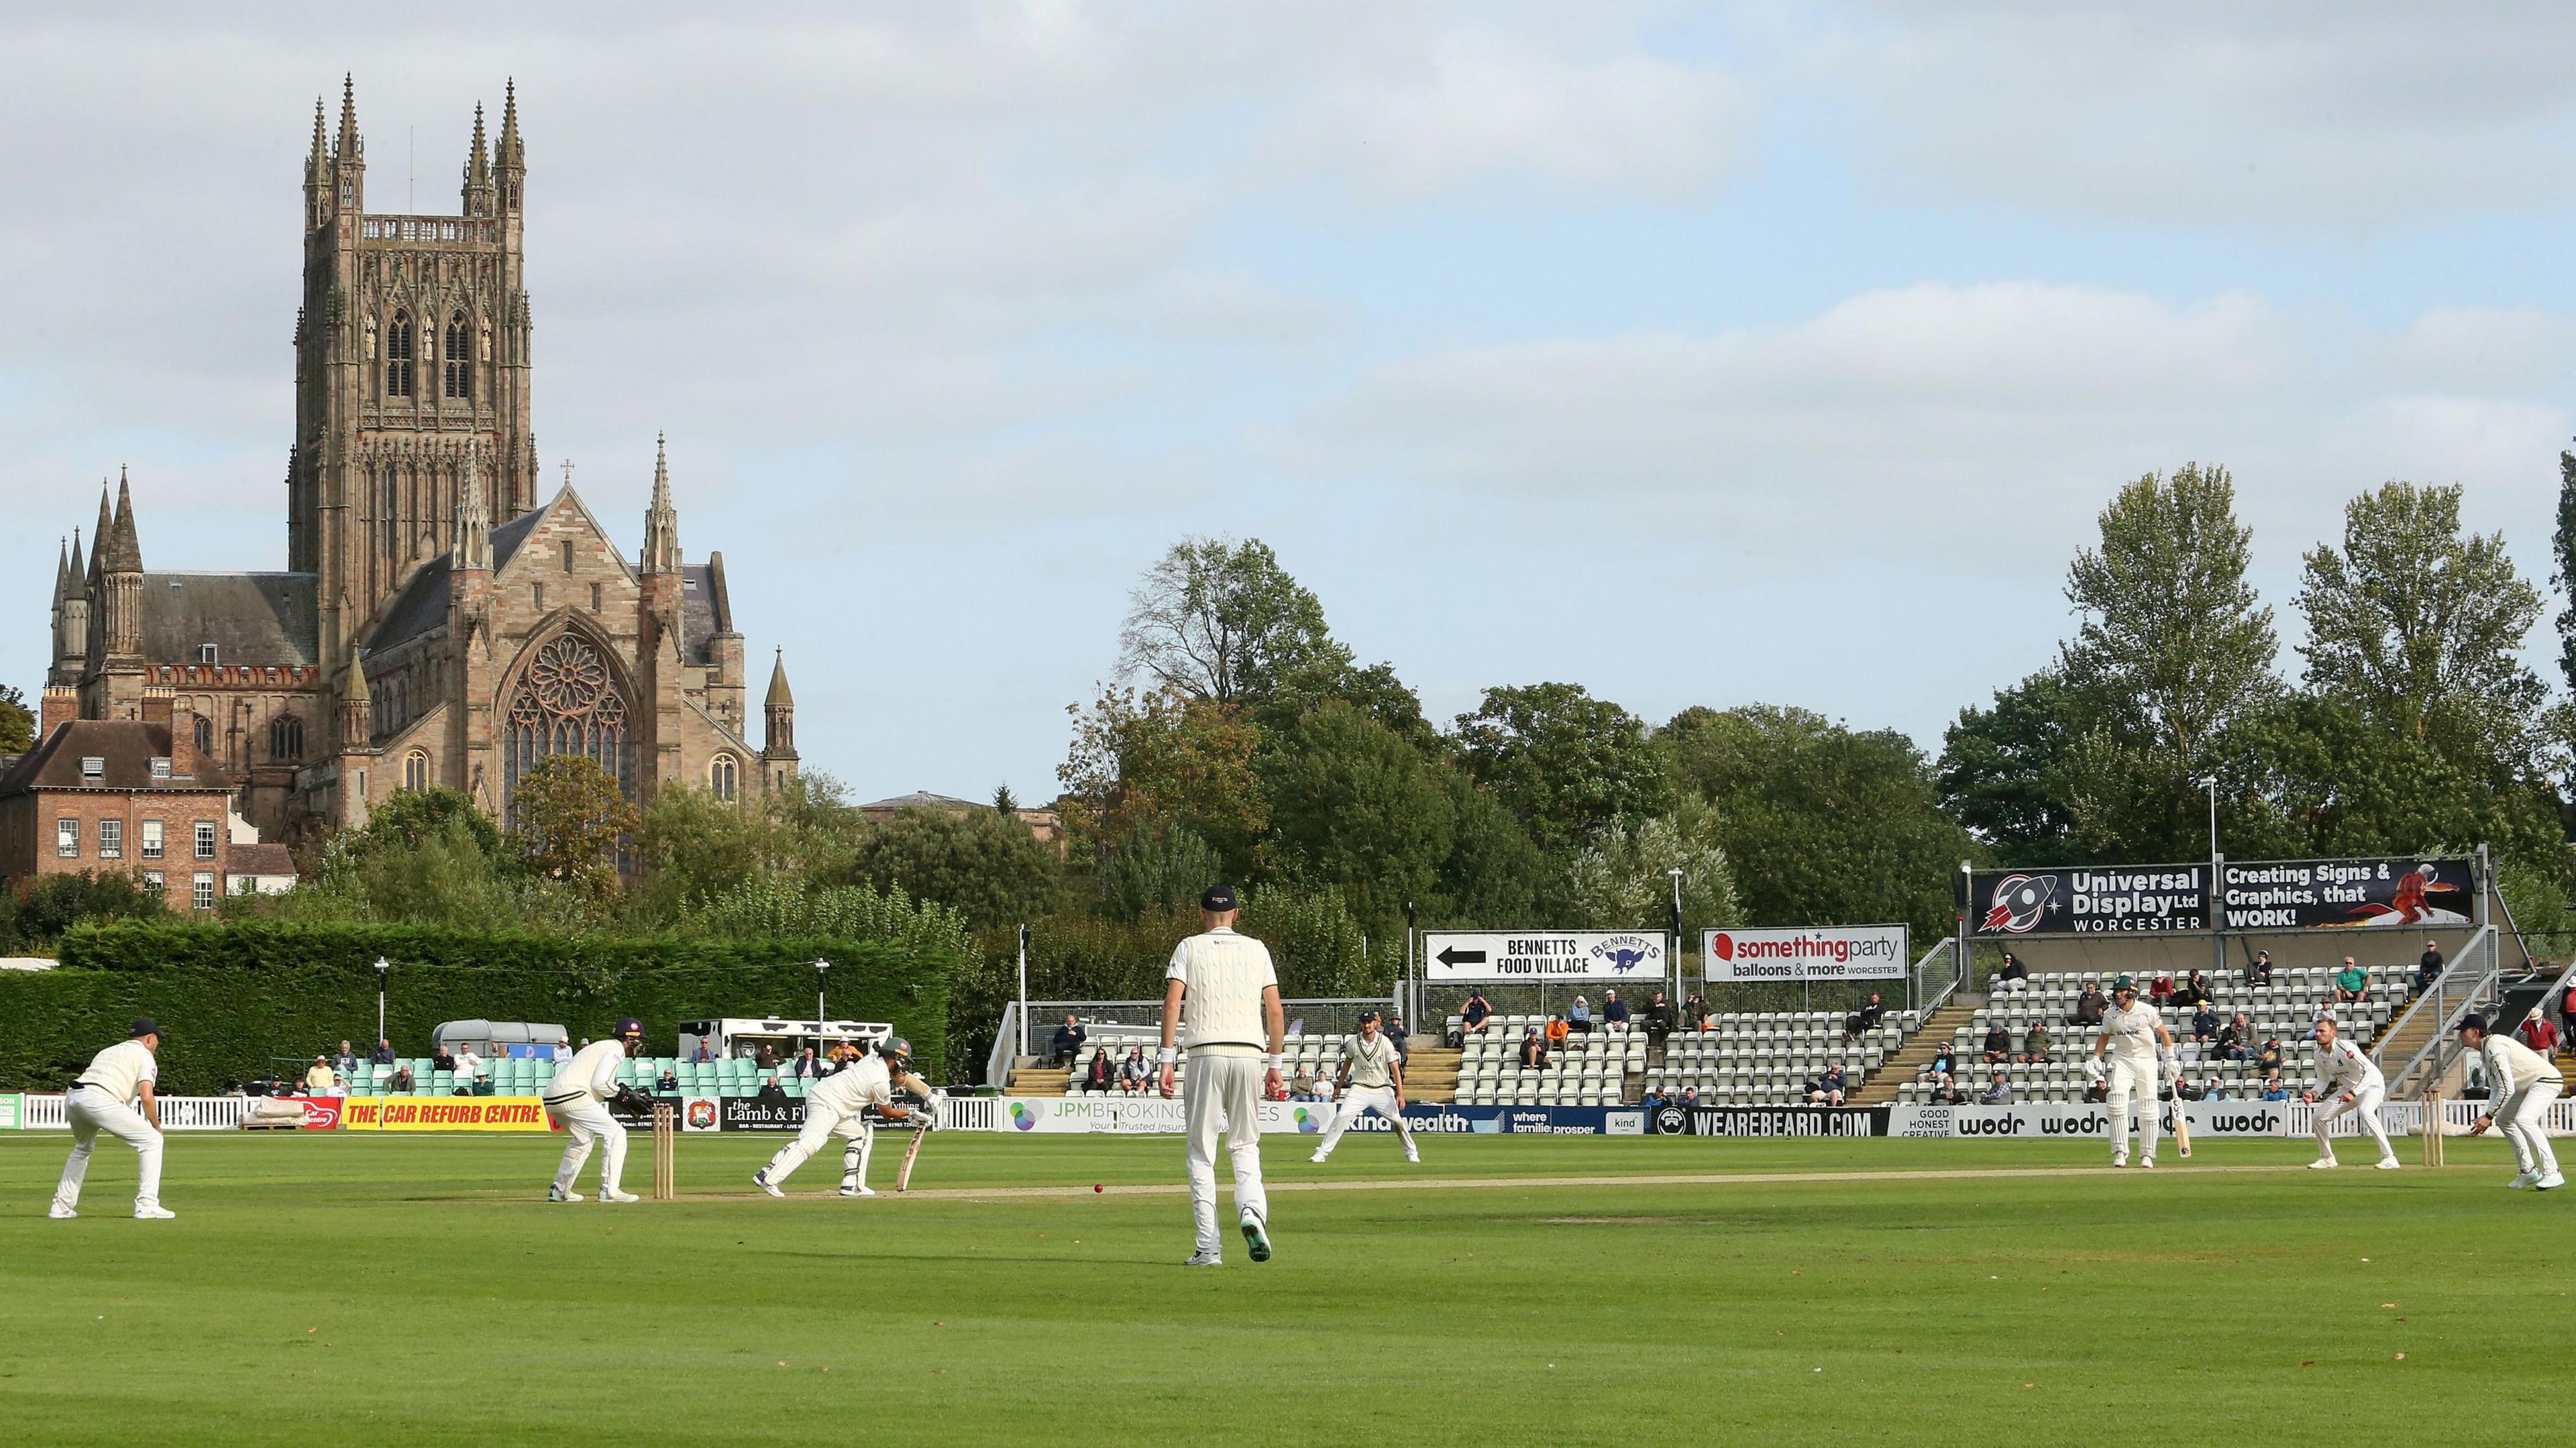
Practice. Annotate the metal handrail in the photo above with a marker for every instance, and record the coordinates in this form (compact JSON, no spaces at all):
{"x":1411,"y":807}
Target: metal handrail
{"x":1006,"y":1040}
{"x":1926,"y":1004}
{"x":2453,"y":994}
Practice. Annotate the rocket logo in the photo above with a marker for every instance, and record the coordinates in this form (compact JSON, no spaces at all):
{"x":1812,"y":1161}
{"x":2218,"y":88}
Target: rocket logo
{"x":2018,"y":902}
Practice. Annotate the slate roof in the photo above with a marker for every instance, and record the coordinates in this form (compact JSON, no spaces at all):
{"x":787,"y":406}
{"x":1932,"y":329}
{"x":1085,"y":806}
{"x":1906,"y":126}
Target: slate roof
{"x":260,"y":860}
{"x":252,"y":619}
{"x":422,"y":604}
{"x":128,"y":749}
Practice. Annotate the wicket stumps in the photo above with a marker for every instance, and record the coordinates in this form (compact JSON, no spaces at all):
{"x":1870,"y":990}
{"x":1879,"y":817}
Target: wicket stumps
{"x":2433,"y":1128}
{"x":665,"y":1140}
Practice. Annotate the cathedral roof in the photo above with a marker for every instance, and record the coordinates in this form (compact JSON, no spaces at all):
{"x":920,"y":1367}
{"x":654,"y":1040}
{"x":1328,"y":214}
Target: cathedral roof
{"x":422,"y":603}
{"x":252,"y":619}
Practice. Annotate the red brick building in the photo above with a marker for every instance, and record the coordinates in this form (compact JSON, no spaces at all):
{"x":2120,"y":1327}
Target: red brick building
{"x":130,"y":796}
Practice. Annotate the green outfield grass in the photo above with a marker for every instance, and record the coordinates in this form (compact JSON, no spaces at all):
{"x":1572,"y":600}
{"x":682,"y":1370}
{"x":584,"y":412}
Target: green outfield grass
{"x":347,"y":1290}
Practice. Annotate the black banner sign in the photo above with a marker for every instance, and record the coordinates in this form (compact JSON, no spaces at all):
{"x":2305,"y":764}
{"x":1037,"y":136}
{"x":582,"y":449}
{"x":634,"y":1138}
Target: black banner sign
{"x":2348,"y":894}
{"x":2090,"y":900}
{"x":751,"y":1113}
{"x":1675,"y":1120}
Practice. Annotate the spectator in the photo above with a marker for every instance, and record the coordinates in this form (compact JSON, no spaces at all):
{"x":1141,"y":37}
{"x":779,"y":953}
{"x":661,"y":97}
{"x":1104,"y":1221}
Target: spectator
{"x":1944,"y":1060}
{"x":1690,"y":1096}
{"x":1476,"y":1015}
{"x":2352,"y":984}
{"x":2567,"y":1015}
{"x":1945,"y":1091}
{"x":1659,"y":1018}
{"x":469,"y":1065}
{"x":2268,"y":1060}
{"x":2090,"y":1005}
{"x":2236,"y":1042}
{"x":2034,"y":1045}
{"x":1653,"y":1098}
{"x":1533,"y":1049}
{"x":2204,"y":1025}
{"x":2273,"y":1090}
{"x":2097,"y":1092}
{"x":668,"y":1083}
{"x":1101,"y":1074}
{"x":1998,"y":1092}
{"x":1827,"y":1089}
{"x":442,"y":1059}
{"x":1998,"y":1047}
{"x":1556,"y":1031}
{"x":2195,"y":992}
{"x":346,"y":1063}
{"x":384,"y":1055}
{"x":2539,"y":1034}
{"x":2260,"y":972}
{"x":1133,"y":1073}
{"x":1578,"y":1017}
{"x":2161,"y":989}
{"x":1068,"y":1041}
{"x":1324,"y":1088}
{"x":1864,"y":1020}
{"x":1301,"y":1087}
{"x":2217,"y":1091}
{"x":400,"y":1082}
{"x":1696,"y":1012}
{"x":2014,"y":977}
{"x":1614,"y":1013}
{"x":318,"y":1078}
{"x":2186,"y":1091}
{"x":767,"y":1059}
{"x":2427,"y":966}
{"x":1395,"y":1036}
{"x":704,"y":1055}
{"x":770,"y":1092}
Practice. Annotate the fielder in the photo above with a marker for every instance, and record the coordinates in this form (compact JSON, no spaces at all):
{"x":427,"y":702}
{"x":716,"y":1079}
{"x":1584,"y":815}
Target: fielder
{"x":105,"y":1098}
{"x":578,"y":1098}
{"x":2521,"y":1083}
{"x":1221,"y":995}
{"x":2347,"y":1082}
{"x":843,"y":1102}
{"x":1372,"y":1080}
{"x":2132,"y":1032}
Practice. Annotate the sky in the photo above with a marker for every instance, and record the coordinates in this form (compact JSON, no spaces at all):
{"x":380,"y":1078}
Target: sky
{"x":1695,"y":354}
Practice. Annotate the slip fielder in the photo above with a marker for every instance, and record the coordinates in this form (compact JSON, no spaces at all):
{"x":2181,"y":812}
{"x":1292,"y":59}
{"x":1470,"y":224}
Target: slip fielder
{"x":2132,"y":1032}
{"x":841,"y":1103}
{"x":106,"y":1098}
{"x":2347,"y":1082}
{"x":1221,"y":996}
{"x":2521,"y":1083}
{"x":578,"y":1098}
{"x":1372,"y":1080}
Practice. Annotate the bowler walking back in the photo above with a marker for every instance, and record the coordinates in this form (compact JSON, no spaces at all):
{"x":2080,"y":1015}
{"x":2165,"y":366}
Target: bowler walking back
{"x":1221,"y":997}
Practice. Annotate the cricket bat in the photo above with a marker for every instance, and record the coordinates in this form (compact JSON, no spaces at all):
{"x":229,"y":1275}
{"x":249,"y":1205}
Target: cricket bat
{"x":903,"y":1173}
{"x":2182,"y":1121}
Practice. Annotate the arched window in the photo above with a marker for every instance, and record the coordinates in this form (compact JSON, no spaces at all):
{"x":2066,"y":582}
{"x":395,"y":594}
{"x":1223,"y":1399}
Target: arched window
{"x":286,"y":739}
{"x":388,"y":518}
{"x":416,"y":770}
{"x":398,"y":356}
{"x":459,"y":357}
{"x":723,"y":777}
{"x":566,"y":703}
{"x":205,"y":735}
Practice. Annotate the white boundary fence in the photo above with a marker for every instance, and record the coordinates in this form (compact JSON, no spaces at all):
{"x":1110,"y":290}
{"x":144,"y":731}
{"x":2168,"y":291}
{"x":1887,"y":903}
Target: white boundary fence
{"x":178,"y":1113}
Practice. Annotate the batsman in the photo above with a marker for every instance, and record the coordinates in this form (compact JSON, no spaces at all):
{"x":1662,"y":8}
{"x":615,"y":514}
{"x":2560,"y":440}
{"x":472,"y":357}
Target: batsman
{"x":850,"y":1102}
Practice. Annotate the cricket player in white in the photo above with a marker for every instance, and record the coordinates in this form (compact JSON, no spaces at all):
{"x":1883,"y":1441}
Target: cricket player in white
{"x":2521,"y":1083}
{"x":2347,"y":1082}
{"x":578,"y":1098}
{"x":1372,"y":1080}
{"x":841,"y":1102}
{"x":106,"y":1098}
{"x":2132,"y":1033}
{"x":1221,"y":996}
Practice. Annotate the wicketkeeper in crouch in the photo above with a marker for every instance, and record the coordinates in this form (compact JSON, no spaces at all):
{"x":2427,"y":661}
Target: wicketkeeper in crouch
{"x":850,"y":1101}
{"x":1221,"y":996}
{"x":578,"y":1097}
{"x":2131,"y":1035}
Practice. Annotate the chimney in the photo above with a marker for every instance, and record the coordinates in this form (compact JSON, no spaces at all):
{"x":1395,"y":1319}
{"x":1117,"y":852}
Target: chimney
{"x":61,"y":706}
{"x":183,"y":738}
{"x":156,"y":704}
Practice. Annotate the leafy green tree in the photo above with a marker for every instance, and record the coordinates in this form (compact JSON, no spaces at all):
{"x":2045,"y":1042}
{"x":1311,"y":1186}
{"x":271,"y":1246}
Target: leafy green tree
{"x":567,"y":819}
{"x":2003,"y":767}
{"x":1151,"y":870}
{"x":34,"y":917}
{"x":1374,"y":691}
{"x":1623,"y":880}
{"x":1565,"y":764}
{"x":17,"y":722}
{"x":412,"y":817}
{"x":984,"y":864}
{"x":2171,"y":630}
{"x":1825,"y":825}
{"x":691,"y":845}
{"x":1222,"y":622}
{"x":1354,"y":806}
{"x":2420,"y":626}
{"x":1494,"y":875}
{"x":1161,"y":761}
{"x":2337,"y":781}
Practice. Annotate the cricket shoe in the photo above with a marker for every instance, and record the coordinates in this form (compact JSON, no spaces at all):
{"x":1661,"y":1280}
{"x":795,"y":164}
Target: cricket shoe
{"x":1413,"y":1156}
{"x":60,"y":1213}
{"x":2550,"y":1183}
{"x":2324,"y":1163}
{"x":558,"y":1194}
{"x":1204,"y":1259}
{"x":857,"y":1192}
{"x":1257,"y":1239}
{"x":2121,"y":1160}
{"x":2148,"y":1162}
{"x":617,"y":1196}
{"x":154,"y":1213}
{"x":761,"y":1180}
{"x":2387,"y":1163}
{"x":2520,"y":1180}
{"x":1317,"y":1158}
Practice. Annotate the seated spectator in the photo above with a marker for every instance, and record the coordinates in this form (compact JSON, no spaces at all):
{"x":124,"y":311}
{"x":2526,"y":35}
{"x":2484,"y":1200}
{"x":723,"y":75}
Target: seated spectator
{"x":2268,"y":1060}
{"x":442,"y":1059}
{"x":469,"y":1065}
{"x":2189,"y":1092}
{"x":2236,"y":1042}
{"x":704,"y":1055}
{"x":1653,"y":1098}
{"x":1660,"y":1018}
{"x":1324,"y":1088}
{"x":2034,"y":1045}
{"x":384,"y":1055}
{"x":2091,"y":1004}
{"x":2160,"y":989}
{"x":1301,"y":1087}
{"x":1944,"y":1060}
{"x":668,"y":1083}
{"x":2097,"y":1092}
{"x":770,"y":1092}
{"x":1689,"y":1097}
{"x":2204,"y":1025}
{"x":2195,"y":992}
{"x":346,"y":1063}
{"x":319,"y":1078}
{"x":1695,"y":1011}
{"x":2259,"y":972}
{"x":2352,"y":984}
{"x":1998,"y":1092}
{"x":2273,"y":1090}
{"x":1068,"y":1041}
{"x":1533,"y":1049}
{"x":2013,"y":978}
{"x":2427,"y":966}
{"x":1864,"y":1020}
{"x":1614,"y":1013}
{"x":2567,"y":1015}
{"x":1133,"y":1073}
{"x":2539,"y":1034}
{"x":803,"y":1065}
{"x":1102,"y":1073}
{"x":767,"y":1059}
{"x":1556,"y":1031}
{"x":1476,"y":1015}
{"x":399,"y":1081}
{"x":1827,"y":1089}
{"x":1945,"y":1091}
{"x":1578,"y":1017}
{"x":1998,"y":1047}
{"x":2217,"y":1091}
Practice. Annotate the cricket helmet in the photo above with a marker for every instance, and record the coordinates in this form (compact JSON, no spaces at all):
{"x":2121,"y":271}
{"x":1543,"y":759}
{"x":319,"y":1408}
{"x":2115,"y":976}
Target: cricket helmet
{"x":896,"y":1050}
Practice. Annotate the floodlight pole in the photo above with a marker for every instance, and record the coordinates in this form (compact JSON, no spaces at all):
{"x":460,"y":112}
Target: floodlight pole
{"x":1967,"y":912}
{"x":1024,"y":990}
{"x":820,"y":1017}
{"x":382,"y":965}
{"x":1410,"y":993}
{"x":2217,"y":894}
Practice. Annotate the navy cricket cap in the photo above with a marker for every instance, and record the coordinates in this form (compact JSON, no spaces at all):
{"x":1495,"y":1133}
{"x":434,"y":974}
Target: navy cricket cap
{"x":2473,"y":1022}
{"x":1218,"y":899}
{"x":141,"y":1026}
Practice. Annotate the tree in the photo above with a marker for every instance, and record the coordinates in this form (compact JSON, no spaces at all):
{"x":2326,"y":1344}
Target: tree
{"x":2171,"y":629}
{"x":2419,"y":626}
{"x":2003,"y":767}
{"x":412,"y":817}
{"x":1374,"y":691}
{"x":17,"y":722}
{"x":1164,"y":760}
{"x":1153,"y":869}
{"x":1353,"y":805}
{"x":567,"y":817}
{"x":1824,"y":825}
{"x":1623,"y":881}
{"x":1222,"y":622}
{"x":984,"y":864}
{"x":1494,"y":876}
{"x":1565,"y":764}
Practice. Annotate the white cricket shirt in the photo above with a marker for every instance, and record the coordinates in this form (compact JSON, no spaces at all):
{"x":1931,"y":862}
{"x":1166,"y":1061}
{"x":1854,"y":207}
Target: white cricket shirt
{"x":2511,"y":1065}
{"x":2342,"y":1067}
{"x":855,"y":1087}
{"x":2133,"y":1032}
{"x":590,"y":1075}
{"x":121,"y":1070}
{"x":1371,"y":1061}
{"x":1222,"y":975}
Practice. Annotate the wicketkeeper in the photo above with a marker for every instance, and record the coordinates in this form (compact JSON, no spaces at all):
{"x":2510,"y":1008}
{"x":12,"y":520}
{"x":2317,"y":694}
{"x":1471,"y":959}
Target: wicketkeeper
{"x":578,"y":1097}
{"x":850,"y":1102}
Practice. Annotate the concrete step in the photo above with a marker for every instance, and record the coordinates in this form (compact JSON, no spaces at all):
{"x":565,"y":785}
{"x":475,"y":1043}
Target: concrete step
{"x":1918,"y":1051}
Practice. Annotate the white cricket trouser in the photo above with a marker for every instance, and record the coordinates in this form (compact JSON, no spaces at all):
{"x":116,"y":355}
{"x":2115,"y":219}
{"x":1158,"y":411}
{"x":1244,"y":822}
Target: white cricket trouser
{"x":2364,"y":1103}
{"x":1224,"y":1093}
{"x":89,"y":1112}
{"x":2524,"y":1116}
{"x":586,"y":1120}
{"x":858,"y":1134}
{"x":2134,"y":1080}
{"x":1380,"y":1099}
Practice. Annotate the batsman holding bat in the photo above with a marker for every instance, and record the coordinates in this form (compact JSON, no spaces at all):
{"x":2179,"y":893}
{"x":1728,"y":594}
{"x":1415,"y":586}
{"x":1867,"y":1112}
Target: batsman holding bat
{"x":850,"y":1102}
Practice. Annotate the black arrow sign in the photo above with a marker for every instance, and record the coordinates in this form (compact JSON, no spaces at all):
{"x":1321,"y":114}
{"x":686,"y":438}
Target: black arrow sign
{"x":1452,"y":955}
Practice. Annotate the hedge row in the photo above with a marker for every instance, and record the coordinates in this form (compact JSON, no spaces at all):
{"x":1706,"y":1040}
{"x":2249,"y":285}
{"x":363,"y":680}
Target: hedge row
{"x":236,"y":997}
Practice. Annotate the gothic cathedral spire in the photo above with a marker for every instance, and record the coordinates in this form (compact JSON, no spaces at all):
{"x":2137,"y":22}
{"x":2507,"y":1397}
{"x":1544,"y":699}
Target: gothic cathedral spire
{"x":661,"y":520}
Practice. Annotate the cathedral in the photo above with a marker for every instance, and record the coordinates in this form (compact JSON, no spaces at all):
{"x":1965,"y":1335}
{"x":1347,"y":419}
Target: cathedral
{"x":436,"y":624}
